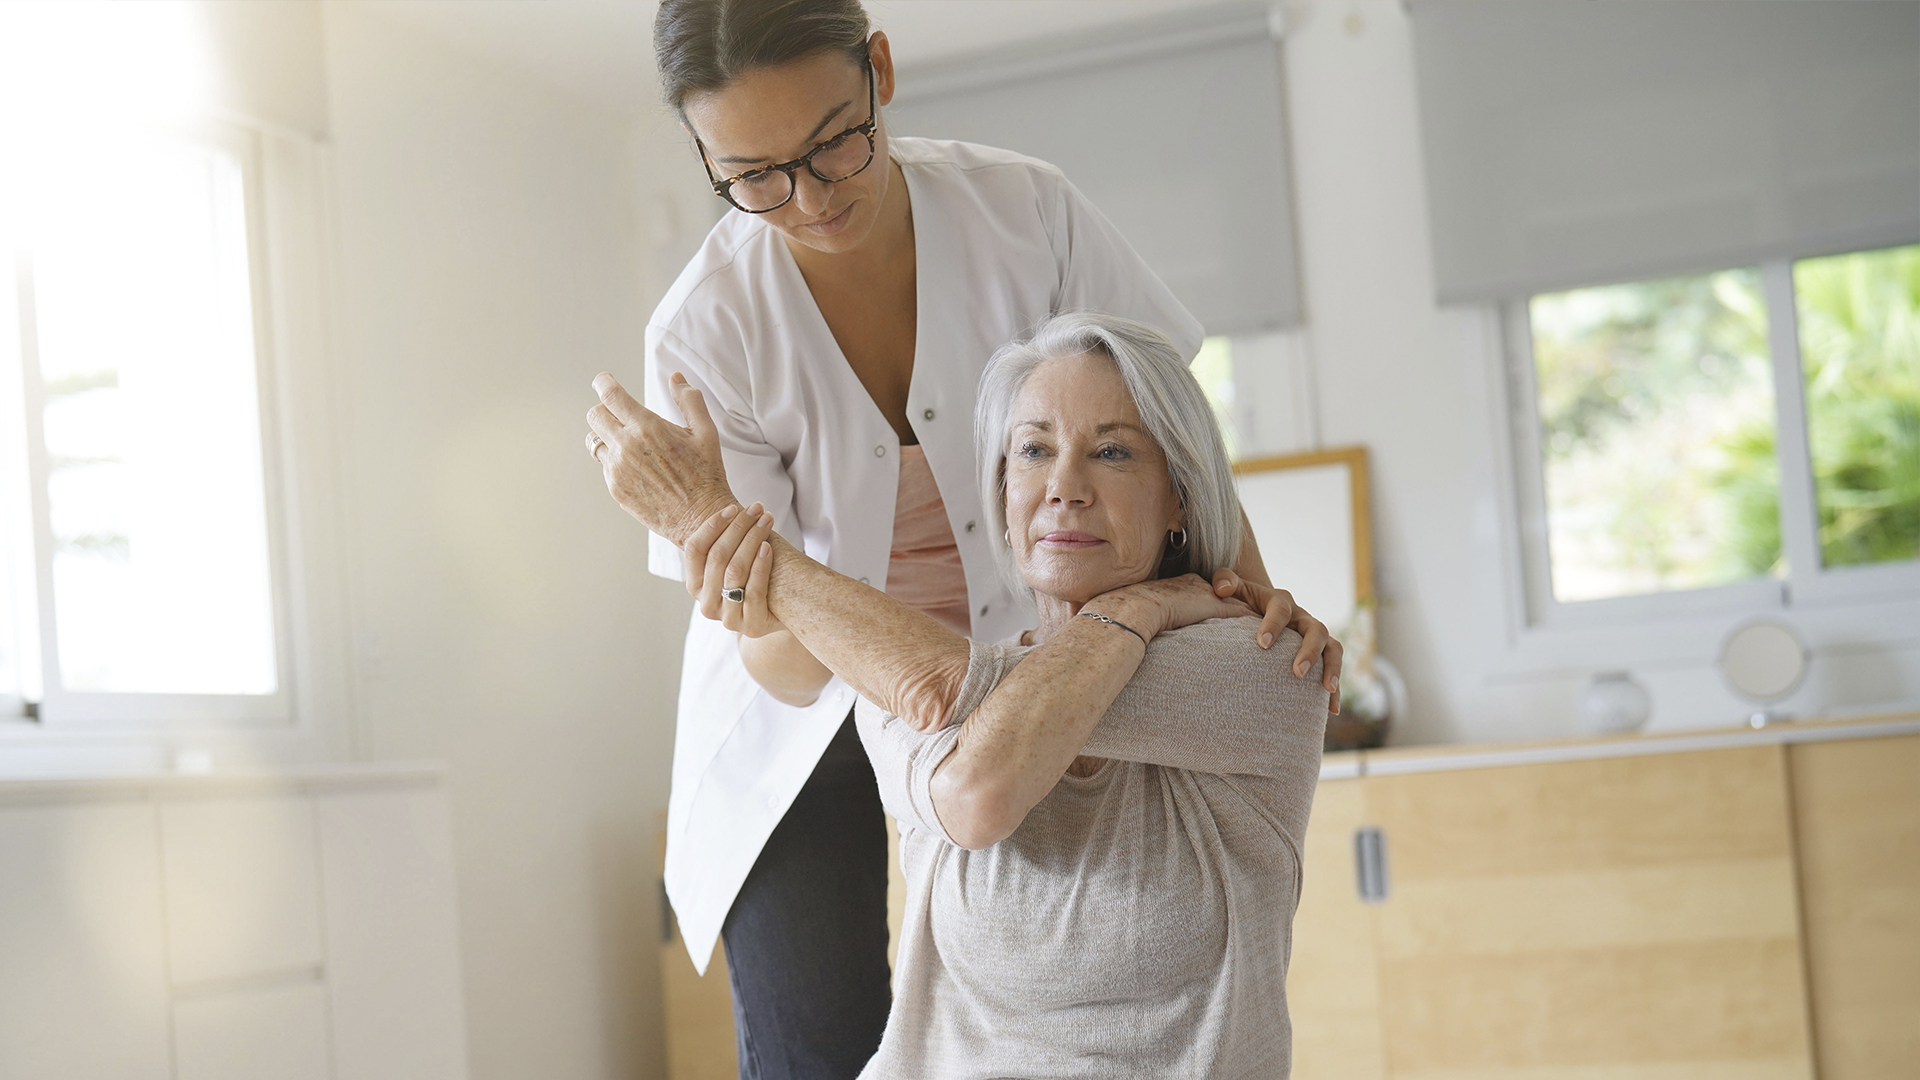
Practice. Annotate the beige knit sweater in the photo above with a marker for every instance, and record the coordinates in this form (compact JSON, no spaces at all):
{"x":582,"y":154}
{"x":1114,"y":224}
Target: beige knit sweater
{"x":1138,"y":922}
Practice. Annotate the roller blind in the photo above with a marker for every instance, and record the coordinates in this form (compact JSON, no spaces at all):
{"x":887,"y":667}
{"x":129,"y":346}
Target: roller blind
{"x":1582,"y":143}
{"x":1172,"y":128}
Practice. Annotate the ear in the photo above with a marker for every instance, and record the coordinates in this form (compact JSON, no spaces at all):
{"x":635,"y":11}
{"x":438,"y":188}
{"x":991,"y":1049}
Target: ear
{"x":882,"y":55}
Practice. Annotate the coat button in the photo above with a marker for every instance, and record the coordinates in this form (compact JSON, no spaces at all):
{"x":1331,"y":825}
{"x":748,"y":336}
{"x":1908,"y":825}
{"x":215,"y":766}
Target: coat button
{"x":970,"y":525}
{"x":880,"y":451}
{"x":928,"y":414}
{"x":983,"y":609}
{"x":864,"y":581}
{"x":773,"y":802}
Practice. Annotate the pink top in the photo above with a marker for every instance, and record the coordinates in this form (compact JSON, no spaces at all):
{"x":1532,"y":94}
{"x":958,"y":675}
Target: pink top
{"x":924,"y":569}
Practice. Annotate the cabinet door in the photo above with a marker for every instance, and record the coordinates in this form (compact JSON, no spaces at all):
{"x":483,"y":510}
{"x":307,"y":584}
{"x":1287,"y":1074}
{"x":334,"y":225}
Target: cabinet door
{"x":83,"y":987}
{"x":1333,"y":990}
{"x":1629,"y":917}
{"x":393,"y":946}
{"x":243,"y":888}
{"x":1857,"y":822}
{"x":272,"y":1032}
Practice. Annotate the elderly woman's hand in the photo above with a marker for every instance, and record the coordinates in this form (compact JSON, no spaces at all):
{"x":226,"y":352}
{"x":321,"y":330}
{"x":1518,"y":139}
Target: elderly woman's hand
{"x":730,"y":554}
{"x":1316,"y":643}
{"x":669,"y":477}
{"x":1163,"y":604}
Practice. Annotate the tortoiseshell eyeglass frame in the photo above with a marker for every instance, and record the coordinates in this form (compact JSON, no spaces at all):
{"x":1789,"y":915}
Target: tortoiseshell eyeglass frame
{"x":724,"y":188}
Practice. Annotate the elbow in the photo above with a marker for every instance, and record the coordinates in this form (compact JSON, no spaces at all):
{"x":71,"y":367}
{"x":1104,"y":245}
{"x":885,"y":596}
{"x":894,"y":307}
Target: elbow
{"x":976,"y":811}
{"x":925,"y":699}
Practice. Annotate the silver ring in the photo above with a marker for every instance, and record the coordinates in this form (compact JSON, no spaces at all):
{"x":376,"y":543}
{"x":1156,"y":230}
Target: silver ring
{"x":597,"y":441}
{"x":738,"y":594}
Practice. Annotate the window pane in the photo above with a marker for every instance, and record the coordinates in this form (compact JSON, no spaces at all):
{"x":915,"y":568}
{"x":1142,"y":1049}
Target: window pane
{"x":1657,"y":434}
{"x":152,"y":429}
{"x":1213,"y":368}
{"x":1860,"y":348}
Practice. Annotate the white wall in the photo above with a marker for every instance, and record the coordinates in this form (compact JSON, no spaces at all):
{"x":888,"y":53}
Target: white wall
{"x":1412,"y":382}
{"x":490,"y":261}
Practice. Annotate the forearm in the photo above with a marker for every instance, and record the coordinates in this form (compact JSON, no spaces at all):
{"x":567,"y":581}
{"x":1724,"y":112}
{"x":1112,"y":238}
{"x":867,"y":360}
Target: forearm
{"x":891,"y":654}
{"x":1250,"y":565}
{"x":784,"y":668}
{"x":1022,"y":738}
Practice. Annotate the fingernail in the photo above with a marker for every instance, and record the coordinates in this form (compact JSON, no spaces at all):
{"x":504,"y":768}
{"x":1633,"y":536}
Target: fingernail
{"x":766,"y":519}
{"x":1266,"y":641}
{"x":766,"y":548}
{"x":1333,"y":685}
{"x":729,"y":512}
{"x":679,"y":378}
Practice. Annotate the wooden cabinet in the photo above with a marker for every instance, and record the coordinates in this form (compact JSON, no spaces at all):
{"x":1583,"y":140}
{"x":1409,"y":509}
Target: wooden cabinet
{"x":1333,"y":981}
{"x":1745,"y":910}
{"x":1856,"y":811}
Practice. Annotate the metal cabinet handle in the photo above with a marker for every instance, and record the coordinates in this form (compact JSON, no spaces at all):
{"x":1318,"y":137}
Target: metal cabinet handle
{"x":1370,"y":864}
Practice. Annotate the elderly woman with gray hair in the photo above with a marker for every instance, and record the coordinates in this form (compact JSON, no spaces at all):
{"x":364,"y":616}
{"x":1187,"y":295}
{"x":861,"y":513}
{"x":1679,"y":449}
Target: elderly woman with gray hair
{"x":1100,"y":821}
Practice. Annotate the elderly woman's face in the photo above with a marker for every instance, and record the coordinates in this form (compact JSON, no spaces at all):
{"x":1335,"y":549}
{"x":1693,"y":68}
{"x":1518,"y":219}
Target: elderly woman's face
{"x":1089,"y":501}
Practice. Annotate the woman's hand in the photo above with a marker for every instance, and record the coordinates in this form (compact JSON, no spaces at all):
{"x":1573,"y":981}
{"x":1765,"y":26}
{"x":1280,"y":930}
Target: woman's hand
{"x":669,"y":477}
{"x":730,"y":550}
{"x":1316,"y":643}
{"x":1167,"y":604}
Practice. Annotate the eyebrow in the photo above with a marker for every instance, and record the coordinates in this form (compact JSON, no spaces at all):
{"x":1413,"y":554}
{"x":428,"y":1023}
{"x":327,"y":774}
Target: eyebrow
{"x":1111,"y":425}
{"x":810,"y":139}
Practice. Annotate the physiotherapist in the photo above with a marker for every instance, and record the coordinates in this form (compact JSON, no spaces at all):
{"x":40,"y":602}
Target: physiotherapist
{"x":837,"y":321}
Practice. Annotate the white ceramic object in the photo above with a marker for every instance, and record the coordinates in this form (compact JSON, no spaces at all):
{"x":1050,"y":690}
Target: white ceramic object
{"x":1763,"y":661}
{"x":1613,"y":703}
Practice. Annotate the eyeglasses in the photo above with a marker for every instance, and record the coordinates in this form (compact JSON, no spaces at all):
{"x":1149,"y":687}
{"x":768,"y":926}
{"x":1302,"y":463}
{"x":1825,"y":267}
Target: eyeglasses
{"x":842,"y":157}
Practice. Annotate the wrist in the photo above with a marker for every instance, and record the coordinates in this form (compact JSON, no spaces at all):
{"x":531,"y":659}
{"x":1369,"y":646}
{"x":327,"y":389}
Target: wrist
{"x":1143,"y":617}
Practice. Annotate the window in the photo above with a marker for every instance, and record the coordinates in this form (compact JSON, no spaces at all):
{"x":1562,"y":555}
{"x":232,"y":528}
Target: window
{"x":1730,"y":439}
{"x":140,"y":533}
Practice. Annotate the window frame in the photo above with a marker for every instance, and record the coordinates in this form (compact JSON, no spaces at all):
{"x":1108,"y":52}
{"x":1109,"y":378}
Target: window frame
{"x":1878,"y":604}
{"x":285,"y":191}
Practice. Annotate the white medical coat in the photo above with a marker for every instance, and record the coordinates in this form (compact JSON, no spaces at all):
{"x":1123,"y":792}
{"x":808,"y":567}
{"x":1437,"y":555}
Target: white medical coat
{"x":1001,"y":242}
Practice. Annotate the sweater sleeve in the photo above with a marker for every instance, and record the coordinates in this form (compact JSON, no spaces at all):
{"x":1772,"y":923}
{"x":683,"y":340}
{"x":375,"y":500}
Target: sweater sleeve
{"x":1207,"y":699}
{"x":904,"y":759}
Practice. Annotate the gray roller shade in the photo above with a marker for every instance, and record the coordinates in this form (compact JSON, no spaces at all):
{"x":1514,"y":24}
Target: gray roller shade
{"x":1582,"y":143}
{"x":1173,"y":129}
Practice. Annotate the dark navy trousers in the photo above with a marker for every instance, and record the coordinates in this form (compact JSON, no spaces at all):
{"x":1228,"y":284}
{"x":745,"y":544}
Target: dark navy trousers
{"x":807,"y":937}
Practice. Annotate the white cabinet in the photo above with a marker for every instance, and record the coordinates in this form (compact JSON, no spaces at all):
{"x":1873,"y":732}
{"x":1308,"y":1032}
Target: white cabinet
{"x":264,"y":1032}
{"x":393,"y":962}
{"x":243,"y":887}
{"x":83,"y":985}
{"x":293,"y":927}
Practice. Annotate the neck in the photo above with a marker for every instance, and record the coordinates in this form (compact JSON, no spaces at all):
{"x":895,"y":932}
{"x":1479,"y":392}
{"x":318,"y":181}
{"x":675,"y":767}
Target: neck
{"x":890,"y":240}
{"x":1055,"y":613}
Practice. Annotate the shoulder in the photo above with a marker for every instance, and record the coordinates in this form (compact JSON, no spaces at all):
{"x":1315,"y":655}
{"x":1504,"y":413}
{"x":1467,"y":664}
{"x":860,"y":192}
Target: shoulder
{"x":1225,"y":647}
{"x":723,"y":282}
{"x":966,"y":157}
{"x":948,"y":167}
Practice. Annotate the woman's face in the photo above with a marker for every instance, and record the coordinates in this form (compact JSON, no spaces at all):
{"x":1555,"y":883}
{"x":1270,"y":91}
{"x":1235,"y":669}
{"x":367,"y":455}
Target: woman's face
{"x":1089,"y":500}
{"x":772,"y":115}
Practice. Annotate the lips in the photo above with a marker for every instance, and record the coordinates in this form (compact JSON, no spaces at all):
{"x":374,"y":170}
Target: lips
{"x":1070,"y":539}
{"x":833,"y":224}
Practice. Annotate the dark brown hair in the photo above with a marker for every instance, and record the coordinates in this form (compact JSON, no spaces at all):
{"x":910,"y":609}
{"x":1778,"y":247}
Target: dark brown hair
{"x":703,"y":45}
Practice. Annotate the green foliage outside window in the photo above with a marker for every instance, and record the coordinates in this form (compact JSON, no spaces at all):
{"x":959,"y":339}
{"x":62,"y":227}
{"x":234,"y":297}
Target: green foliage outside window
{"x":1860,"y":342}
{"x":1649,"y":397}
{"x":1658,"y":427}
